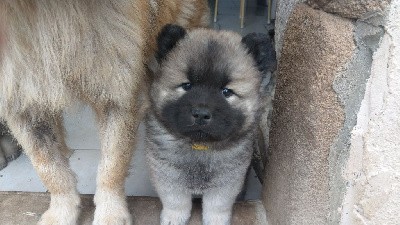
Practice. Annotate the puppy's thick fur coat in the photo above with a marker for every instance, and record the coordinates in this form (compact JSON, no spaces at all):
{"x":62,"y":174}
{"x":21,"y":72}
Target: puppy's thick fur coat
{"x":203,"y":120}
{"x":54,"y":52}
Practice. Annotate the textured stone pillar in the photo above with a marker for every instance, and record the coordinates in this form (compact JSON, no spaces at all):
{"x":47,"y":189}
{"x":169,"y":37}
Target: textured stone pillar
{"x":354,"y":9}
{"x":307,"y":116}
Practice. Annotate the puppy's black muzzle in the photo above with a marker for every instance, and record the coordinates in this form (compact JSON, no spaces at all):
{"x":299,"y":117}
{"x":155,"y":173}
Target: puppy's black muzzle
{"x":201,"y":115}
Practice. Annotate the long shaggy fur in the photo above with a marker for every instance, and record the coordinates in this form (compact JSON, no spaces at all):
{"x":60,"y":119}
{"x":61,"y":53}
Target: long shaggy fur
{"x":57,"y":50}
{"x":54,"y":52}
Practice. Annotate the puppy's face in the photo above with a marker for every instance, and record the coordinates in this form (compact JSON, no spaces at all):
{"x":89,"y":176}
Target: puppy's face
{"x":207,"y":86}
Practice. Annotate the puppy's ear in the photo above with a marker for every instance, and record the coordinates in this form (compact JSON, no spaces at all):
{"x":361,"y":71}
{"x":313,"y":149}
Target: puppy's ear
{"x":167,"y":39}
{"x":261,"y":47}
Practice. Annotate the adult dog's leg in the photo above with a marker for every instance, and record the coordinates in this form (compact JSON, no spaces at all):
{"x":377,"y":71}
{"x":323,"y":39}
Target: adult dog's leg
{"x":43,"y":141}
{"x":118,"y":129}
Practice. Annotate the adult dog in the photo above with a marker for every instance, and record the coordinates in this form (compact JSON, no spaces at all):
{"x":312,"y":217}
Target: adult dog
{"x":54,"y":52}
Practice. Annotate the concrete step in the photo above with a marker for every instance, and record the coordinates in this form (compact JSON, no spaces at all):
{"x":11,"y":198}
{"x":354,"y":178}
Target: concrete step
{"x":22,"y":208}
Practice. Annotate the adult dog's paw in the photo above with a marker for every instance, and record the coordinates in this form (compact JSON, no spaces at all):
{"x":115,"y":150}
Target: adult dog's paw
{"x":111,"y":209}
{"x":106,"y":215}
{"x":64,"y":210}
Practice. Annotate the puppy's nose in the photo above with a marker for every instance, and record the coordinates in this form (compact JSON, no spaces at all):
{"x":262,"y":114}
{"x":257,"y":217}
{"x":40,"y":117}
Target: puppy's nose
{"x":201,"y":114}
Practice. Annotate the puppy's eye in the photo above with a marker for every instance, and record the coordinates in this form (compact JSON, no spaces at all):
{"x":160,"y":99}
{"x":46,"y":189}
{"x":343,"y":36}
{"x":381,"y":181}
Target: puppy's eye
{"x":186,"y":86}
{"x":227,"y":92}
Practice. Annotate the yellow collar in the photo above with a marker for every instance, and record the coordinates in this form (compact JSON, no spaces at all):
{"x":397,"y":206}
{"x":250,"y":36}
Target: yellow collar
{"x":199,"y":147}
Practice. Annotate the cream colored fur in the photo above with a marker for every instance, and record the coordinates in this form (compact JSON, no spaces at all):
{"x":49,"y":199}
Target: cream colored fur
{"x":64,"y":209}
{"x":54,"y":52}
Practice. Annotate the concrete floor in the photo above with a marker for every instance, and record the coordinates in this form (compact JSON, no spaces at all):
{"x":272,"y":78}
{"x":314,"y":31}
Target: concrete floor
{"x":18,"y":208}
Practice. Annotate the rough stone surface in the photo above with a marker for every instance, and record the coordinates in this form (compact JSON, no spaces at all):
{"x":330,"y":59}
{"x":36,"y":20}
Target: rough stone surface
{"x":373,"y":169}
{"x":350,"y":86}
{"x":355,"y":9}
{"x":284,"y":9}
{"x":26,"y":208}
{"x":307,"y":116}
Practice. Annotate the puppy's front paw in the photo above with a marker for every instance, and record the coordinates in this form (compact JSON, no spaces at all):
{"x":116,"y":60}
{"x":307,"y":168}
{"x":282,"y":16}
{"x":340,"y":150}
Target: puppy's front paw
{"x":174,"y":217}
{"x":64,"y":210}
{"x":222,"y":218}
{"x":111,"y":209}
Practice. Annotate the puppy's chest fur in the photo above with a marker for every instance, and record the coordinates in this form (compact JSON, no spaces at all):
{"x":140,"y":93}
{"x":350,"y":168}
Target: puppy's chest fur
{"x":174,"y":161}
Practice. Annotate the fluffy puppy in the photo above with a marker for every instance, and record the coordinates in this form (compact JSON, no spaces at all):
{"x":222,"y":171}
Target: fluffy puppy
{"x":205,"y":107}
{"x":56,"y":52}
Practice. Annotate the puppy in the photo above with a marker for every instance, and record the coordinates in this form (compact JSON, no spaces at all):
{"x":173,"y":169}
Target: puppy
{"x":205,"y":108}
{"x":54,"y":53}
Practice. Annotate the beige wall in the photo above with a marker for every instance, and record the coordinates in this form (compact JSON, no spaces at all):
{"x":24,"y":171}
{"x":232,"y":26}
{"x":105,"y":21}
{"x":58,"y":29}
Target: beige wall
{"x":373,"y":168}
